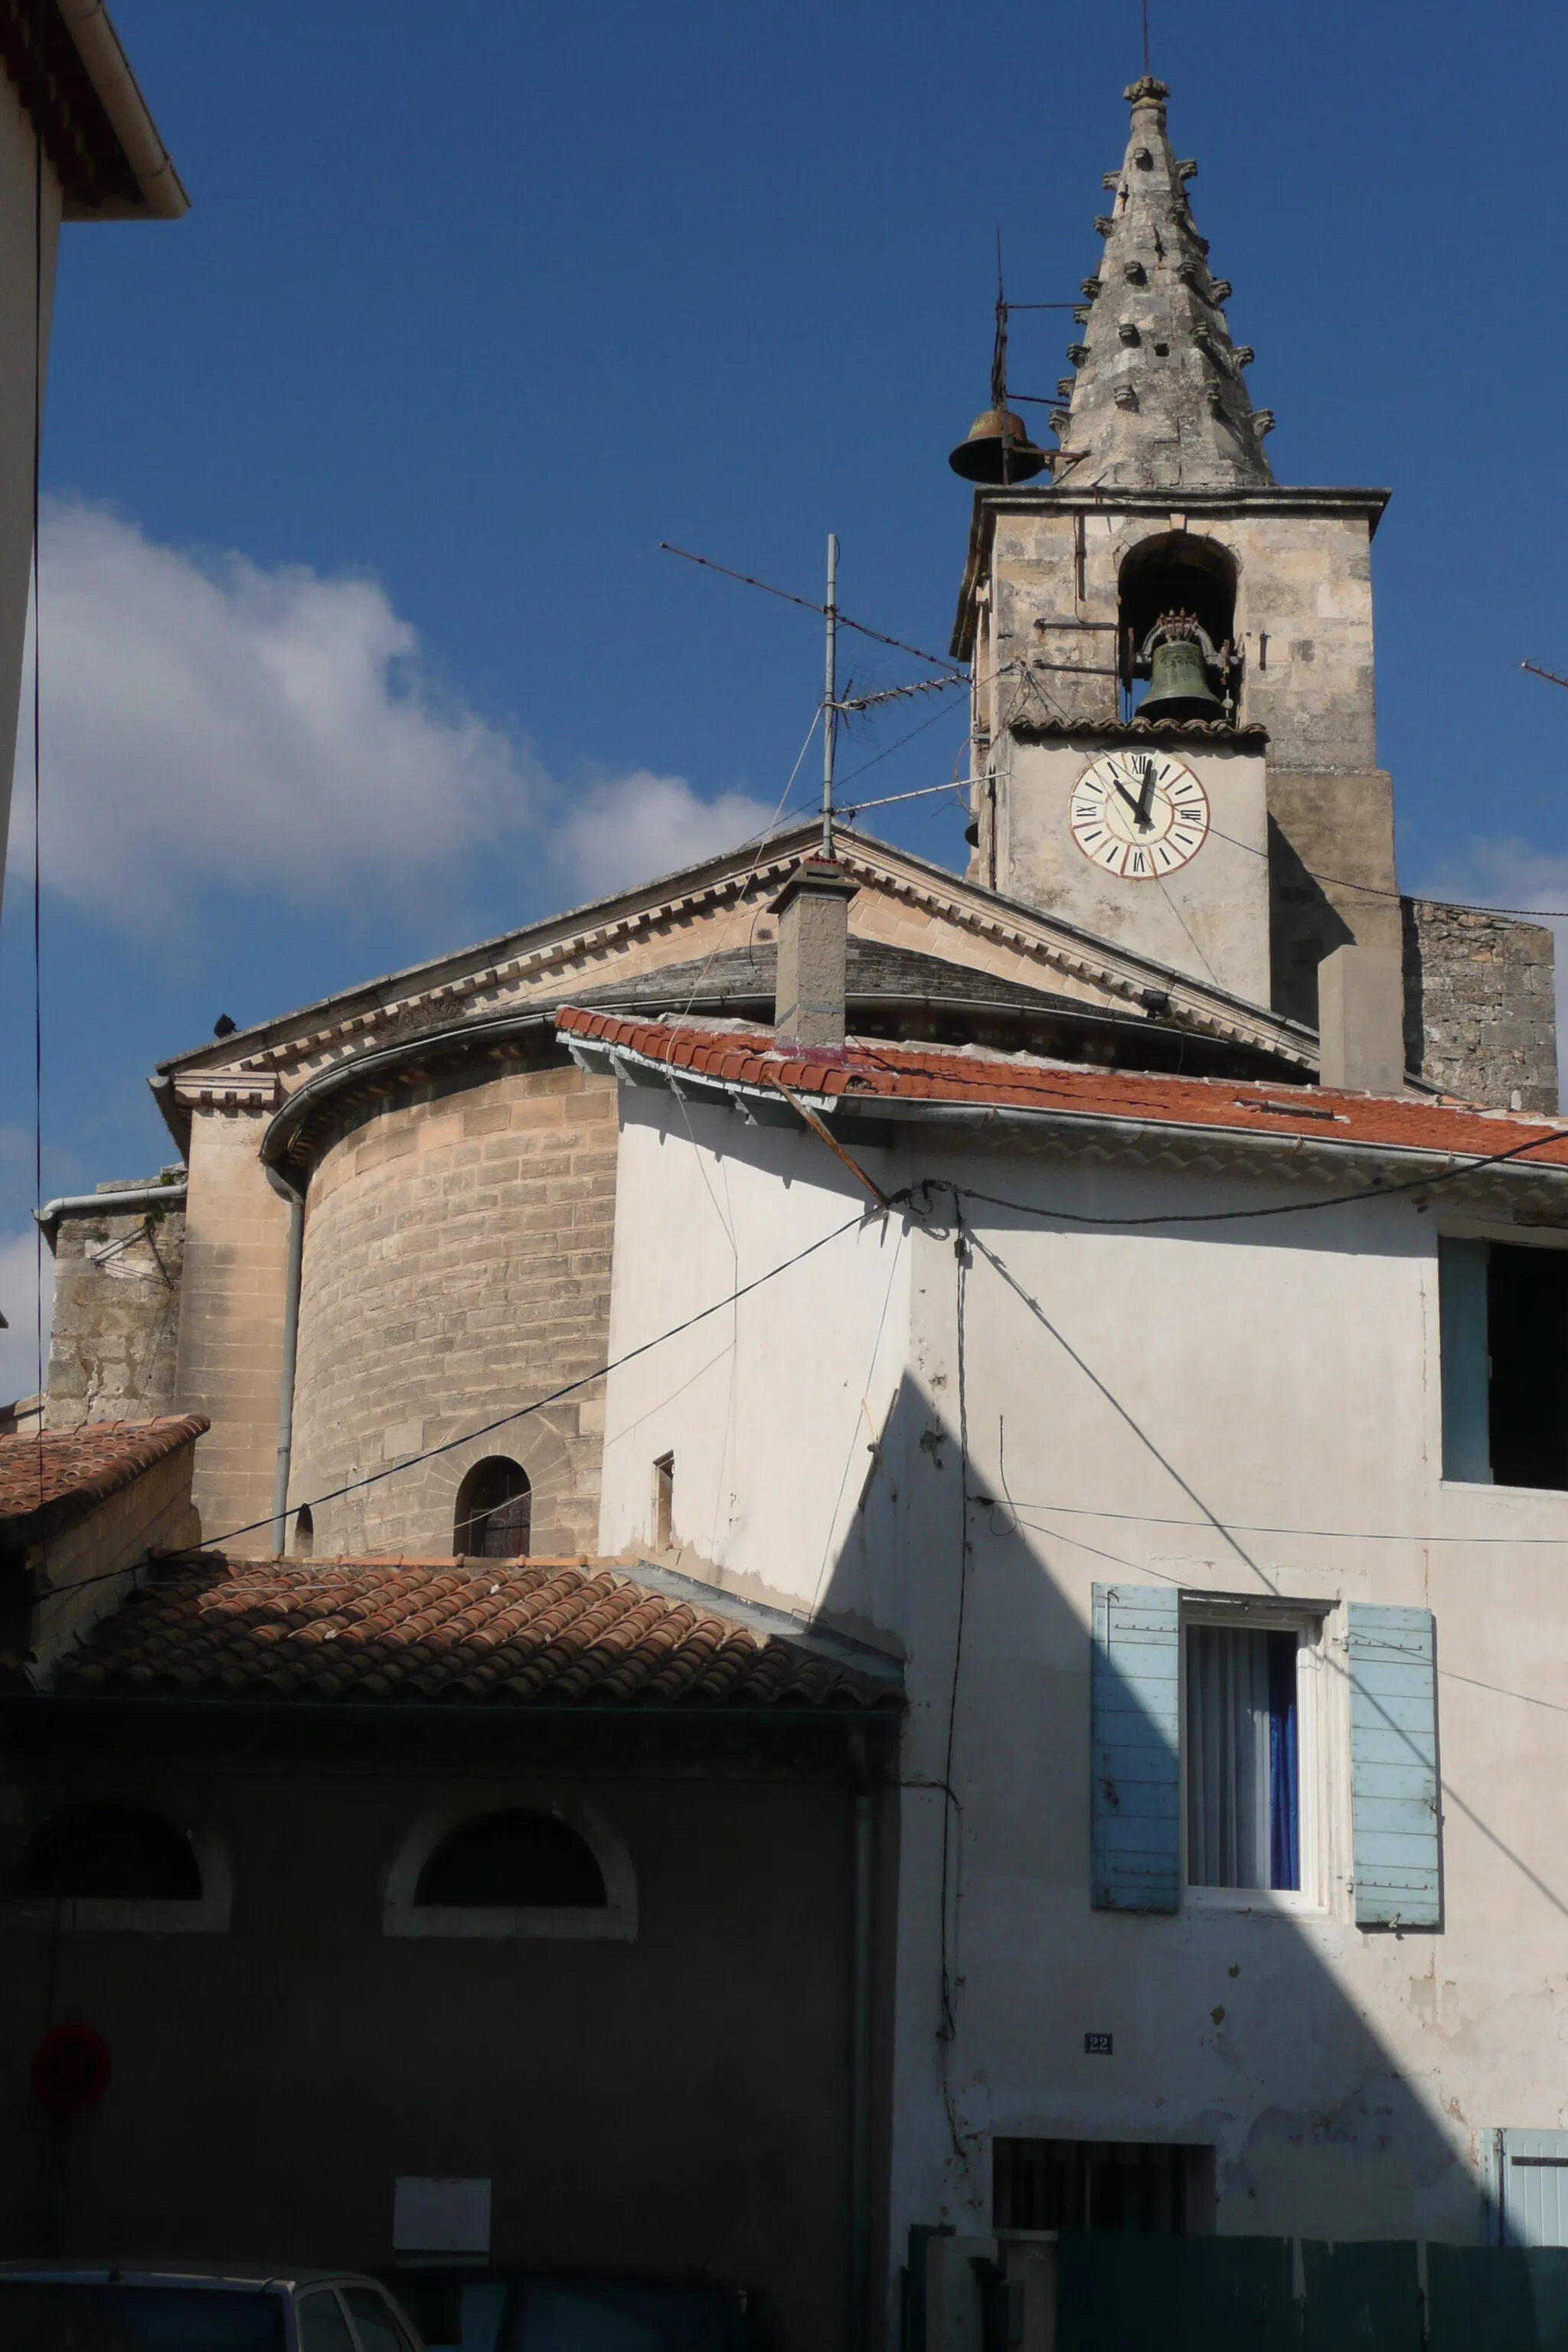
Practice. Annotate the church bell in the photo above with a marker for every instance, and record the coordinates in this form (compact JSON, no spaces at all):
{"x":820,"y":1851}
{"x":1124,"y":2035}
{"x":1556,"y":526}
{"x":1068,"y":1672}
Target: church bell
{"x":1178,"y":681}
{"x":996,"y":448}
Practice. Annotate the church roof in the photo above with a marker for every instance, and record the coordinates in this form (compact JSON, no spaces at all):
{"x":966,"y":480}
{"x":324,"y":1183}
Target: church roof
{"x":516,"y":1633}
{"x":712,"y":910}
{"x":49,"y":1481}
{"x":1159,"y":399}
{"x":865,"y":1075}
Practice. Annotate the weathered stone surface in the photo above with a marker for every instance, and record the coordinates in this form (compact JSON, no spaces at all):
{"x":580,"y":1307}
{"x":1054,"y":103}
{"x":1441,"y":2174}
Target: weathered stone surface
{"x":116,"y":1312}
{"x":430,"y":1306}
{"x":1479,"y":1005}
{"x":1159,"y":399}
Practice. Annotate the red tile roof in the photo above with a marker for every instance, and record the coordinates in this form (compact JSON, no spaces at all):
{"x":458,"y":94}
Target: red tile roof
{"x":49,"y":1481}
{"x":870,"y":1071}
{"x":555,"y":1632}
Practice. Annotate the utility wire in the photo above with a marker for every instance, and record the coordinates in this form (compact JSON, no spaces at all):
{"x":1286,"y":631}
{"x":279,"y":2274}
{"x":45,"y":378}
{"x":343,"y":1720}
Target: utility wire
{"x":1235,"y":1217}
{"x":541,"y":1404}
{"x":1261,"y":1527}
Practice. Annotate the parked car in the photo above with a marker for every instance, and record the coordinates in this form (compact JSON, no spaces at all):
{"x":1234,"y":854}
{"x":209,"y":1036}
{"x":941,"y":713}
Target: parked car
{"x":195,"y":2307}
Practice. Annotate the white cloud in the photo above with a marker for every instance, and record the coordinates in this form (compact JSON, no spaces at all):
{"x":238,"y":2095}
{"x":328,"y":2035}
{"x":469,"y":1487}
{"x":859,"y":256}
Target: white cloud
{"x":217,"y":721}
{"x":18,"y":1304}
{"x":642,"y":825}
{"x":208,"y":721}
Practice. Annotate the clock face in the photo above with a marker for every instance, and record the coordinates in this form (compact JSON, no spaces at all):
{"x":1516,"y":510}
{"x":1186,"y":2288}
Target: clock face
{"x":1140,"y":814}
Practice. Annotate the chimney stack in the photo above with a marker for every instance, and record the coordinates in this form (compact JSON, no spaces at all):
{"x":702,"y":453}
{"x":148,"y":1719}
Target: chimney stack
{"x":813,"y":909}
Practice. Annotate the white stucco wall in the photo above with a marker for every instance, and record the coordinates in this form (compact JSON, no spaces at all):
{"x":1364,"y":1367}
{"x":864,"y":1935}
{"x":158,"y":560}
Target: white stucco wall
{"x":18,"y":288}
{"x":1282,"y":1376}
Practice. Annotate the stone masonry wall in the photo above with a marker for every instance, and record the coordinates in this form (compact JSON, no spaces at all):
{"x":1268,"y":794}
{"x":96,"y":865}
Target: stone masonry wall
{"x":117,"y":1313}
{"x":231,"y":1320}
{"x":456,"y":1266}
{"x":1479,"y":1005}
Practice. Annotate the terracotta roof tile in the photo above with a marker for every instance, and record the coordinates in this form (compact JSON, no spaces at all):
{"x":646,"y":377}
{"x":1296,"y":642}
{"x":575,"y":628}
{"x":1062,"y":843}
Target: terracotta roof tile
{"x":517,"y":1632}
{"x":49,"y":1482}
{"x":872,"y":1070}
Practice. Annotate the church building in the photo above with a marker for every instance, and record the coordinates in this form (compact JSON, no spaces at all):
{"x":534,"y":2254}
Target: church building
{"x":1087,"y":1326}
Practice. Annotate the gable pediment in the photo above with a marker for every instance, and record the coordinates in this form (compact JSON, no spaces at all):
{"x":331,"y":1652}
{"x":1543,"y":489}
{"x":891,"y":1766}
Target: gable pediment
{"x":693,"y":919}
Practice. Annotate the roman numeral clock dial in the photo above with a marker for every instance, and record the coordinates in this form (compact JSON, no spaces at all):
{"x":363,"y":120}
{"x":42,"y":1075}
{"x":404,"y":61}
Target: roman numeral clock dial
{"x":1140,"y":814}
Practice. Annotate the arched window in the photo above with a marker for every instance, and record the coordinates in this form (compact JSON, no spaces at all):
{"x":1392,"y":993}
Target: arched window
{"x":494,"y":1511}
{"x":1175,"y":571}
{"x":110,"y":1853}
{"x":304,"y":1532}
{"x":513,"y":1862}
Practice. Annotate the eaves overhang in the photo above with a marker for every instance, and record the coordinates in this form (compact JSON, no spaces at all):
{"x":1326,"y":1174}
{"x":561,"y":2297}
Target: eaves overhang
{"x":64,"y":60}
{"x":1174,"y":1143}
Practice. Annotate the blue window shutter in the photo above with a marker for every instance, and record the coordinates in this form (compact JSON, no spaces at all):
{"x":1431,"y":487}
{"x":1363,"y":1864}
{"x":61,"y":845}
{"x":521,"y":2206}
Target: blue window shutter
{"x":1393,"y":1767}
{"x":1466,"y":1361}
{"x":1533,"y":2187}
{"x":1135,"y":1707}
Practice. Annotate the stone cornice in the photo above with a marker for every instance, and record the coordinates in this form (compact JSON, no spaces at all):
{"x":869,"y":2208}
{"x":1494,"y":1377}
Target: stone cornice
{"x":443,"y":1000}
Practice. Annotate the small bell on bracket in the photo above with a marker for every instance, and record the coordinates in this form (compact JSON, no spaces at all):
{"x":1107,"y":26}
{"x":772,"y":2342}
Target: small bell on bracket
{"x":1177,"y":655}
{"x":997,"y":448}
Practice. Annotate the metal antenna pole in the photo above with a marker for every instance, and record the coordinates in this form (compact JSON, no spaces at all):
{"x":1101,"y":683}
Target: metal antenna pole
{"x":830,"y":697}
{"x":1145,"y":39}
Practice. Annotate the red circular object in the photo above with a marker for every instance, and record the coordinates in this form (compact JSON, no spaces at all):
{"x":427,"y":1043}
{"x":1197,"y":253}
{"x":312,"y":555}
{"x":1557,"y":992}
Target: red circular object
{"x":71,"y":2069}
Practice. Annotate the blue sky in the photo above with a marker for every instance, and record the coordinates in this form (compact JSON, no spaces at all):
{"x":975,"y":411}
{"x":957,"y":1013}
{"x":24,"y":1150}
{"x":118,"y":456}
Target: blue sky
{"x":357,"y":641}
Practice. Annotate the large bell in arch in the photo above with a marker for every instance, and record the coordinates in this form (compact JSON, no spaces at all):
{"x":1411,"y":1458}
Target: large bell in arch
{"x":997,"y":448}
{"x":1175,"y":650}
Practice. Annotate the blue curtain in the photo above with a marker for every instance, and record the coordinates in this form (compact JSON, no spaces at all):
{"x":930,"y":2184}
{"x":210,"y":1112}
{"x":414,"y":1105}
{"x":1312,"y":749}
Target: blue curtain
{"x":1284,"y":1765}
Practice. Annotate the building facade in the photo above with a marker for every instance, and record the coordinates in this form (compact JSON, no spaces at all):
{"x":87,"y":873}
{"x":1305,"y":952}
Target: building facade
{"x":1202,"y":1460}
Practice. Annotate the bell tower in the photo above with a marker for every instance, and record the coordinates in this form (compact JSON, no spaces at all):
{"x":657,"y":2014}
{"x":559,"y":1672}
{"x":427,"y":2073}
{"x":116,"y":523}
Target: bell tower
{"x":1172,"y":706}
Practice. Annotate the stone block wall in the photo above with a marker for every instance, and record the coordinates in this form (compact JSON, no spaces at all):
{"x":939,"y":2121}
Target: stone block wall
{"x":231,"y":1320}
{"x":1479,"y":1005}
{"x":116,"y":1329}
{"x":456,"y":1266}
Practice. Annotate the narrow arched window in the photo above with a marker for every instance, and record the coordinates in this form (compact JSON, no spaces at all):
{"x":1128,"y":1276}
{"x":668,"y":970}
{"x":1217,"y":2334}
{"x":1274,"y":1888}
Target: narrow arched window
{"x":110,"y":1853}
{"x":494,"y":1511}
{"x":304,"y":1532}
{"x":513,"y":1862}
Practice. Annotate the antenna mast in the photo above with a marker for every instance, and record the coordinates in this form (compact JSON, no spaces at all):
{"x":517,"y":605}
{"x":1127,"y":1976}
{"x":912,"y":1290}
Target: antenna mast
{"x":830,"y":696}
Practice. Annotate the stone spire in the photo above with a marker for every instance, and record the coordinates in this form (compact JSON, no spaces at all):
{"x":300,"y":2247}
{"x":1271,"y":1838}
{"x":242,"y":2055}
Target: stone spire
{"x":1159,"y":400}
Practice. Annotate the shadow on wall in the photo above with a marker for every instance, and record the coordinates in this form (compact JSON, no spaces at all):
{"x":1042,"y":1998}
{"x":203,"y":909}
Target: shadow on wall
{"x":1227,"y":2029}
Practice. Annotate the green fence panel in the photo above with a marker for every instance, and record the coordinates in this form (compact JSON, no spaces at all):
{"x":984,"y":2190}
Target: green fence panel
{"x":1496,"y":2299}
{"x":1360,"y":2298}
{"x":1120,"y":2292}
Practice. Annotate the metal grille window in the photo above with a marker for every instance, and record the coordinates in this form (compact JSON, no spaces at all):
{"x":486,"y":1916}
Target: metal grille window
{"x":1089,"y":2184}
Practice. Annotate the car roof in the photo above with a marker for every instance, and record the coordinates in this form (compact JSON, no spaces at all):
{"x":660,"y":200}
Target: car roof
{"x":83,"y":2272}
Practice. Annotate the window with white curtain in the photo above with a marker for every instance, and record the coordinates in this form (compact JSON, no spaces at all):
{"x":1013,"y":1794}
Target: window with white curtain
{"x":1242,"y":1756}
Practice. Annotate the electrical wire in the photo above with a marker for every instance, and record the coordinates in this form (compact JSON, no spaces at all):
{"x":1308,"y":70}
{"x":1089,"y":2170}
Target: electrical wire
{"x":1262,"y":1528}
{"x":1236,"y":1216}
{"x":541,"y":1404}
{"x":762,"y":840}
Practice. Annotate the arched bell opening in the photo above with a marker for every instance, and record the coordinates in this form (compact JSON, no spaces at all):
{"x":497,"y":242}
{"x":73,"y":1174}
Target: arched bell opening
{"x":1177,"y":578}
{"x":494,"y":1511}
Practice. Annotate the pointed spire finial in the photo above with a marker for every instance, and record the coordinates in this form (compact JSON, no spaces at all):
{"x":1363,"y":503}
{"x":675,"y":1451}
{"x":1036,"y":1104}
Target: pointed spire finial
{"x":1159,"y":400}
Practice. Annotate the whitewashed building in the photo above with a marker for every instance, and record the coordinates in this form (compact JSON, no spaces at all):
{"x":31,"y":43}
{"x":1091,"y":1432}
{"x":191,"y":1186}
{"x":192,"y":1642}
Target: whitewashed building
{"x":1150,"y":1427}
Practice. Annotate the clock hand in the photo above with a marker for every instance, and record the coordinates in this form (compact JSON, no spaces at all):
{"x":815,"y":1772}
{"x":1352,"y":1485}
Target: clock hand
{"x":1126,"y":796}
{"x":1145,"y":798}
